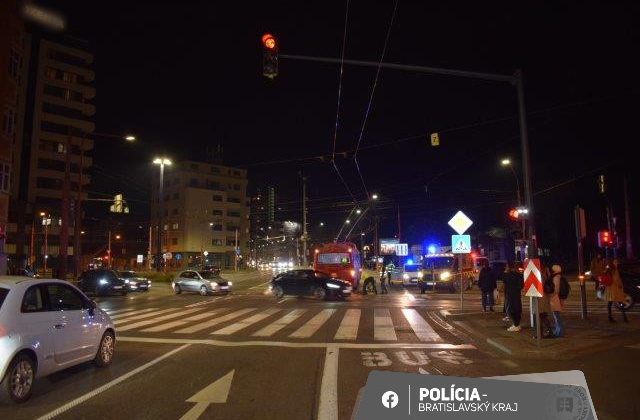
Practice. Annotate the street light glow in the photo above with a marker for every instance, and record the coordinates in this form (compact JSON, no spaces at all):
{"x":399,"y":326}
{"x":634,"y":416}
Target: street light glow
{"x":42,"y":213}
{"x":374,"y":196}
{"x":321,"y":223}
{"x":358,"y":211}
{"x":129,"y":137}
{"x":347,"y":221}
{"x":162,"y":161}
{"x":506,"y":162}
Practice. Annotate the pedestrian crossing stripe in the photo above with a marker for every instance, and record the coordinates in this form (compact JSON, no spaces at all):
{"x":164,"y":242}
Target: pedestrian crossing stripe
{"x":143,"y":316}
{"x":123,"y":315}
{"x":215,"y":321}
{"x":383,"y":329}
{"x":156,"y":320}
{"x":233,"y":328}
{"x":279,"y":324}
{"x":348,"y":329}
{"x":314,"y":324}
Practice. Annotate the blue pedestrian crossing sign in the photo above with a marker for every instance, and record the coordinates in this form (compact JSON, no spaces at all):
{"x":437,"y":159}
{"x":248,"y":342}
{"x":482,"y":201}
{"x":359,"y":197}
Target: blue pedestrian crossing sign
{"x":461,"y":244}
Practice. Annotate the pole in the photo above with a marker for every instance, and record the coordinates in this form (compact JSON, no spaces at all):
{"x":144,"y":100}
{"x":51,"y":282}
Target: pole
{"x":46,"y":242}
{"x":536,"y":301}
{"x":580,"y":232}
{"x":399,"y":230}
{"x":236,"y":252}
{"x":149,"y":248}
{"x":519,"y":196}
{"x":160,"y":214}
{"x":64,"y":228}
{"x":77,"y":228}
{"x":627,"y":221}
{"x":304,"y":222}
{"x":31,"y":250}
{"x":109,"y":249}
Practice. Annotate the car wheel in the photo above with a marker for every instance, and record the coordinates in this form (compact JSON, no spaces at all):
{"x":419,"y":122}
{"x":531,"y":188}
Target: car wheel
{"x":177,"y":289}
{"x":105,"y":351}
{"x":203,"y":291}
{"x":628,"y":302}
{"x":319,"y":293}
{"x":18,"y":381}
{"x":278,"y":292}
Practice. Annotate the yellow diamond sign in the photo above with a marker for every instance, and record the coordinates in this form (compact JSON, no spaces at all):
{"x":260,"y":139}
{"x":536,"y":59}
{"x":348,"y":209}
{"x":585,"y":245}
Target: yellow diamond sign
{"x":460,"y":222}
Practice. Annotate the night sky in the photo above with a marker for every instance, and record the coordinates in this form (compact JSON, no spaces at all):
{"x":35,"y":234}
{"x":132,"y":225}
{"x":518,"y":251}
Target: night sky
{"x":184,"y":76}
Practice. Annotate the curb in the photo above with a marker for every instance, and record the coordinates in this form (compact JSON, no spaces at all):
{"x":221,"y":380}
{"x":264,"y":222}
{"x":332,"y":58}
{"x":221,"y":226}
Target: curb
{"x":499,"y":346}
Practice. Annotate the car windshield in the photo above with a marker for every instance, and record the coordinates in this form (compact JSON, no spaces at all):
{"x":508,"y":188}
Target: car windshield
{"x":411,"y":267}
{"x":321,"y":276}
{"x":208,"y":274}
{"x":3,"y":294}
{"x":438,"y":262}
{"x":333,"y":258}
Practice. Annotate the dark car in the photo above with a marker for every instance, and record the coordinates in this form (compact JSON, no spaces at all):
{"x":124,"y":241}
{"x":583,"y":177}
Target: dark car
{"x":134,"y":281}
{"x":630,"y":273}
{"x":309,"y":283}
{"x":102,"y":282}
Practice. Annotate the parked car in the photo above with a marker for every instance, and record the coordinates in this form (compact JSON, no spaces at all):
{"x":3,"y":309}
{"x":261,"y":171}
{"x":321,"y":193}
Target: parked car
{"x":134,"y":282}
{"x":46,"y":326}
{"x":102,"y":282}
{"x":26,"y":272}
{"x":203,"y":282}
{"x":411,"y":274}
{"x":309,"y":283}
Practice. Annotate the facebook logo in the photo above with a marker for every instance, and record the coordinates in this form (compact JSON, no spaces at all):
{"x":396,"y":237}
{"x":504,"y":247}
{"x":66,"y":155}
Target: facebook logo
{"x":389,"y":399}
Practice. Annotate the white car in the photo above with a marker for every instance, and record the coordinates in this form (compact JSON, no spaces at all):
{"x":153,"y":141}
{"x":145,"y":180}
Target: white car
{"x":46,"y":326}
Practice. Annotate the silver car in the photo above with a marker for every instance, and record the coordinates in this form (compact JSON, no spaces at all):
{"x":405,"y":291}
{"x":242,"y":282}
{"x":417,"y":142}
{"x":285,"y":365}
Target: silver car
{"x":47,"y":325}
{"x":203,"y":282}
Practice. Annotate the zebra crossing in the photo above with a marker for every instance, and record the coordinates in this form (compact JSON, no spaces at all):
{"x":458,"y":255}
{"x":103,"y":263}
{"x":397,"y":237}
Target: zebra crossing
{"x":342,"y":325}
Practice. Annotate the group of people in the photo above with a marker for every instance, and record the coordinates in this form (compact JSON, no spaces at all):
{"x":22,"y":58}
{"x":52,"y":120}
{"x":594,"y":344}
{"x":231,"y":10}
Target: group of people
{"x":613,"y":291}
{"x":555,"y":292}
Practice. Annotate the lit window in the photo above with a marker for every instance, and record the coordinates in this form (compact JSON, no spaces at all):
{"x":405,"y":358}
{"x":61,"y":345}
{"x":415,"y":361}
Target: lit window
{"x":174,"y":226}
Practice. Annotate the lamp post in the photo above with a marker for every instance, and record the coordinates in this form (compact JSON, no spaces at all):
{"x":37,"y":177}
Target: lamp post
{"x":161,"y":161}
{"x":46,"y":221}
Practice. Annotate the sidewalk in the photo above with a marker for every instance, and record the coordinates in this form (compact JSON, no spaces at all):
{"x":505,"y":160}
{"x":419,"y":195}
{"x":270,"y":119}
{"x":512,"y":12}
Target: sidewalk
{"x":581,"y":337}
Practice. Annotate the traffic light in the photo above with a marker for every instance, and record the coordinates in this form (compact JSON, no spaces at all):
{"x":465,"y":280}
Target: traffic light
{"x":269,"y":56}
{"x":513,"y":214}
{"x":605,"y":239}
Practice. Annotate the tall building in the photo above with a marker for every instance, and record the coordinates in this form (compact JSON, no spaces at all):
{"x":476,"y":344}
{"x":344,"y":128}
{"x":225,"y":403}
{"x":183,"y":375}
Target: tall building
{"x":11,"y":54}
{"x":204,"y":207}
{"x":54,"y":121}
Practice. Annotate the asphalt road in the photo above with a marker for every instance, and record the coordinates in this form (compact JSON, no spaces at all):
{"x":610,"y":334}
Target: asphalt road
{"x":247,"y":355}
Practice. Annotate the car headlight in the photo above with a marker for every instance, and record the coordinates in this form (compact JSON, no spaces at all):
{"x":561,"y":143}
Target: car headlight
{"x":333,"y":286}
{"x":405,"y":276}
{"x":420,"y":274}
{"x":353,"y":273}
{"x":133,"y":283}
{"x":230,"y":284}
{"x":126,"y":281}
{"x":213,"y":284}
{"x":445,"y":275}
{"x":104,"y":281}
{"x":270,"y":287}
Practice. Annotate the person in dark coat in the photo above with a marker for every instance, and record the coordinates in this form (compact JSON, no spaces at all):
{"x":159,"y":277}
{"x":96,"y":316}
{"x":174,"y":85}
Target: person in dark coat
{"x":513,"y":285}
{"x":487,"y":282}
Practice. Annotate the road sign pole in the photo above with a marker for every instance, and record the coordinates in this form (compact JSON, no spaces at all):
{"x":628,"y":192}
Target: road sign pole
{"x":531,"y":312}
{"x":538,"y":327}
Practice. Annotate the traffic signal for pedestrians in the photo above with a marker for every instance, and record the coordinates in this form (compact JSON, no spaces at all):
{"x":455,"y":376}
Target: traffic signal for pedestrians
{"x":269,"y":56}
{"x":605,"y":239}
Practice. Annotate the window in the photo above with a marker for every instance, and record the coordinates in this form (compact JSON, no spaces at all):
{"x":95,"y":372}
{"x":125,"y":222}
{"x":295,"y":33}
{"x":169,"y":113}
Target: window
{"x":216,"y":197}
{"x":3,"y":294}
{"x":186,"y":275}
{"x":174,"y":212}
{"x":66,"y":94}
{"x":215,"y":170}
{"x":166,"y":212}
{"x":233,"y":213}
{"x":165,"y":227}
{"x":216,"y":227}
{"x":194,"y":166}
{"x":5,"y":177}
{"x":193,"y":182}
{"x":64,"y":298}
{"x":333,"y":258}
{"x":232,"y":228}
{"x":236,"y":187}
{"x":233,"y":200}
{"x":174,"y":226}
{"x":8,"y":121}
{"x":216,"y":212}
{"x":176,"y":196}
{"x":216,"y":242}
{"x":14,"y":64}
{"x":236,"y":173}
{"x":174,"y":241}
{"x":231,"y":241}
{"x":32,"y":300}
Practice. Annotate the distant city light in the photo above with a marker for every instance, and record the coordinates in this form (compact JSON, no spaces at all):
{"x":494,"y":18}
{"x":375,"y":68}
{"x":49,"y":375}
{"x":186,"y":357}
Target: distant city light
{"x":506,"y":162}
{"x":374,"y":196}
{"x":432,"y":249}
{"x":130,"y":138}
{"x":358,"y":211}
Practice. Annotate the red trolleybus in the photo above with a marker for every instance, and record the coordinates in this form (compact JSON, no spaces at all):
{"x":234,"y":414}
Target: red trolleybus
{"x":339,"y":260}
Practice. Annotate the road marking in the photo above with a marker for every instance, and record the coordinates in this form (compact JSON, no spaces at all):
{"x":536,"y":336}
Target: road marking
{"x":147,"y":315}
{"x":283,"y":300}
{"x":279,"y":324}
{"x":156,"y":320}
{"x":383,"y":325}
{"x":204,"y":302}
{"x":328,"y":405}
{"x":216,"y":321}
{"x":141,"y":311}
{"x":348,"y":329}
{"x":233,"y":328}
{"x":116,"y":311}
{"x":179,"y":323}
{"x":308,"y":329}
{"x":293,"y":344}
{"x":215,"y":393}
{"x":421,"y":328}
{"x":108,"y":385}
{"x":260,"y":285}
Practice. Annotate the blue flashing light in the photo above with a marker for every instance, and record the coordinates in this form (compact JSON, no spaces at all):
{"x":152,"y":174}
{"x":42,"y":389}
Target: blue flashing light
{"x":432,"y":249}
{"x":409,"y":261}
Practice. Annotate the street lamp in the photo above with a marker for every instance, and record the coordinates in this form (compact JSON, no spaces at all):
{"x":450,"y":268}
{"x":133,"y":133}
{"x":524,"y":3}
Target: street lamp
{"x":321,"y":224}
{"x":161,"y":161}
{"x":130,"y":138}
{"x":358,"y":211}
{"x":374,"y":196}
{"x":523,"y":210}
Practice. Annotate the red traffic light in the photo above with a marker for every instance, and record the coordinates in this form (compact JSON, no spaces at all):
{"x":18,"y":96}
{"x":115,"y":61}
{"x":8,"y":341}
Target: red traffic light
{"x":269,"y":41}
{"x":605,"y":239}
{"x":513,"y":214}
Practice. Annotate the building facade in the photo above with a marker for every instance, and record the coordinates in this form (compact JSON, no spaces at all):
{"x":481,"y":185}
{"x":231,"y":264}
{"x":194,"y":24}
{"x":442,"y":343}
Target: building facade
{"x":205,"y":213}
{"x":11,"y":57}
{"x":52,"y":147}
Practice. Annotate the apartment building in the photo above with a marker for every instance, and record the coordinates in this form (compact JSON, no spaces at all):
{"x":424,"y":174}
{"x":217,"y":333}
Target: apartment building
{"x":204,"y":207}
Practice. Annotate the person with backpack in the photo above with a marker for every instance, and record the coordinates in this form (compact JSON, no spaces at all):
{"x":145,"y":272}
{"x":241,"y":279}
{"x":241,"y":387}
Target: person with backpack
{"x":614,"y":292}
{"x":488,"y":283}
{"x":544,"y":303}
{"x":556,"y":304}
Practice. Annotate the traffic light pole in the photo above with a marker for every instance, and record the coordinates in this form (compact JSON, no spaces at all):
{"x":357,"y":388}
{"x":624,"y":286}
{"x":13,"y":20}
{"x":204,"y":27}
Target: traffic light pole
{"x":515,"y":79}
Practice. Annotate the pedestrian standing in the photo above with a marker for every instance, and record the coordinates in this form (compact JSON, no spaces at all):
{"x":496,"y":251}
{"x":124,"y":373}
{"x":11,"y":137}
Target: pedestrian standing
{"x":383,"y":281}
{"x":555,"y":303}
{"x":544,"y":303}
{"x":488,"y":283}
{"x":513,"y":284}
{"x":597,"y":267}
{"x":614,"y":293}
